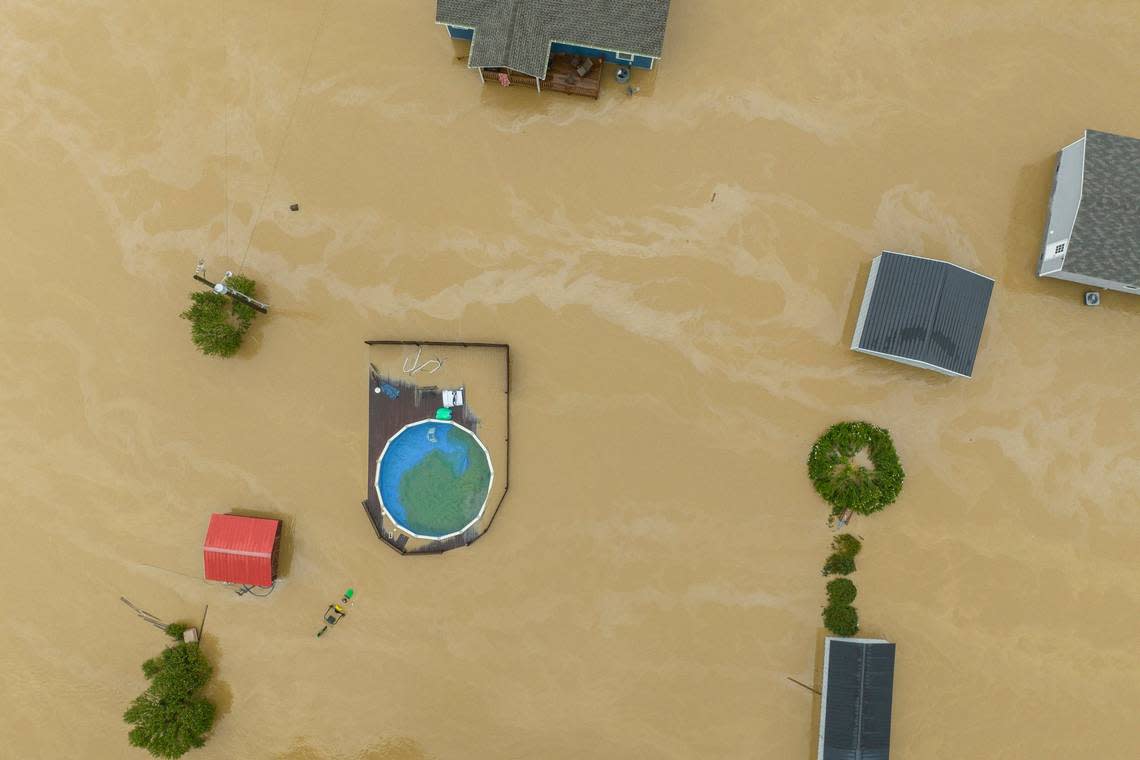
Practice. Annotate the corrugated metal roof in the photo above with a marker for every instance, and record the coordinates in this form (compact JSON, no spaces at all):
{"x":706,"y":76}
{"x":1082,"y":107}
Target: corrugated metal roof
{"x":517,"y":33}
{"x":857,"y":712}
{"x":1106,"y":237}
{"x":926,"y":311}
{"x":240,"y":549}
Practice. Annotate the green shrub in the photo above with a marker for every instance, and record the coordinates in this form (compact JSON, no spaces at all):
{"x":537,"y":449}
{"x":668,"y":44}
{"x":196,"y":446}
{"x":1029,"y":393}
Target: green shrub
{"x":846,"y":544}
{"x":169,"y":718}
{"x":182,"y":670}
{"x":217,"y":322}
{"x":839,"y":564}
{"x":244,"y":313}
{"x":841,"y":619}
{"x":846,"y":485}
{"x":175,"y":631}
{"x":841,"y":591}
{"x":166,"y":728}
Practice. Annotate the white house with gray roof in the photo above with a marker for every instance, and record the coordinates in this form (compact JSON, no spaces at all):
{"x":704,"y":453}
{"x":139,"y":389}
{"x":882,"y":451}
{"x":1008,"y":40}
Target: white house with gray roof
{"x":1093,"y":235}
{"x":521,"y":35}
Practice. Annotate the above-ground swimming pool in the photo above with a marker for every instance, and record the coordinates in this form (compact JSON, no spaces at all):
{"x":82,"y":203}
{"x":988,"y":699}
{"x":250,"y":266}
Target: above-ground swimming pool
{"x":433,"y":478}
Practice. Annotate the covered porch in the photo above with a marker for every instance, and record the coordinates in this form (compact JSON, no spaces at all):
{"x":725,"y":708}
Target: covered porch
{"x":561,"y":76}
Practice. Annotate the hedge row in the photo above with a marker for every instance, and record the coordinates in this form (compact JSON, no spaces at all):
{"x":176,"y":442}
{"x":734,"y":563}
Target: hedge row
{"x":839,"y":616}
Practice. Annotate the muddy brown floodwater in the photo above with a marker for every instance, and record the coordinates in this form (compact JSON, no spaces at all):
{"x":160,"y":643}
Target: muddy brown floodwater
{"x":677,"y":274}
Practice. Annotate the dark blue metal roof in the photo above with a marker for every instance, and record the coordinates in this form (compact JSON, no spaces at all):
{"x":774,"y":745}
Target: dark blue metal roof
{"x":857,"y":713}
{"x":925,"y":311}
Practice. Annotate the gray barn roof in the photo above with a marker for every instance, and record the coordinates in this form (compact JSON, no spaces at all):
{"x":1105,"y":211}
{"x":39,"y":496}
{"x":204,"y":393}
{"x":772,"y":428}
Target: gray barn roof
{"x":1106,"y":237}
{"x":855,"y":718}
{"x":923,"y":312}
{"x":517,"y":33}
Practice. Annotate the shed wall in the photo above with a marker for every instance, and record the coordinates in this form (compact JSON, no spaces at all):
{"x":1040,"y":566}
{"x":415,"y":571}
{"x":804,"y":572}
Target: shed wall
{"x":1064,"y":204}
{"x":858,"y":336}
{"x":1094,"y":282}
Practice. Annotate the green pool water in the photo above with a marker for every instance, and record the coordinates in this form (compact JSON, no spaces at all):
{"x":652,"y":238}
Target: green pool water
{"x":433,"y":478}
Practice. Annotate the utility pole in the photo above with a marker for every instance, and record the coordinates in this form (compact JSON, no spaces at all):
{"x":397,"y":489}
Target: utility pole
{"x":221,"y":288}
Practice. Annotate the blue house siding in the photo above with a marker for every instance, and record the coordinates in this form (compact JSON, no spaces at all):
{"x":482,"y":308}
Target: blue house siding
{"x":640,"y":61}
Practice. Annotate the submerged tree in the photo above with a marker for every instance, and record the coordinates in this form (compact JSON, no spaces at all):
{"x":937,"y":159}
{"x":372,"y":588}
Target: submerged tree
{"x":846,"y":484}
{"x":841,"y":619}
{"x":846,"y":544}
{"x":179,"y":671}
{"x":839,"y":564}
{"x":167,"y":727}
{"x":841,"y":591}
{"x":170,"y":718}
{"x":217,"y":322}
{"x":175,"y":630}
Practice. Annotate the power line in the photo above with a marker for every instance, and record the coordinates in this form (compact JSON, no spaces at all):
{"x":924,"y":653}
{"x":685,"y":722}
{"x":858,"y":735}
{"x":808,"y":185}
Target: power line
{"x":226,"y":120}
{"x":285,"y":135}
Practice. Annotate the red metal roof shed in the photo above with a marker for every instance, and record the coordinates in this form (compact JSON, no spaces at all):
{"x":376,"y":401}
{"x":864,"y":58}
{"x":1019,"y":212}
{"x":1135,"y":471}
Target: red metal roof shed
{"x":241,"y":549}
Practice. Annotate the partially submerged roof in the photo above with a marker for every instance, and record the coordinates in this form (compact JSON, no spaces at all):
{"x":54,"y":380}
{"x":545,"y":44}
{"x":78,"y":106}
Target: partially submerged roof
{"x":240,"y":549}
{"x":1105,"y":242}
{"x":923,"y":312}
{"x":855,"y":709}
{"x":517,"y":34}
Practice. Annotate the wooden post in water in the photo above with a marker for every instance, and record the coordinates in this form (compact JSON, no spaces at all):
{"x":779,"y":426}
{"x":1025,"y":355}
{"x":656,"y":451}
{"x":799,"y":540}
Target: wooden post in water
{"x":801,"y":683}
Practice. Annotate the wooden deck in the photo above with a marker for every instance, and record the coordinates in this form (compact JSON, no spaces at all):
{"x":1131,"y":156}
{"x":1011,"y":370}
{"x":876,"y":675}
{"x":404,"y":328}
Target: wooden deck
{"x":385,"y":418}
{"x":560,"y":77}
{"x":483,"y":370}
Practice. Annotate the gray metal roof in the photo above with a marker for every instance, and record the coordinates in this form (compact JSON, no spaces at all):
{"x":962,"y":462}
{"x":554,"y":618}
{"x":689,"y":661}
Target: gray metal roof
{"x":857,"y":713}
{"x":1106,"y":238}
{"x":517,"y":33}
{"x":926,"y":311}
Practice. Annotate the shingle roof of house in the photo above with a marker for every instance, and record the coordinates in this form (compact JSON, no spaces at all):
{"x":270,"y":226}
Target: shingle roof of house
{"x":517,"y":33}
{"x":856,"y":718}
{"x":924,"y":311}
{"x":1106,"y":238}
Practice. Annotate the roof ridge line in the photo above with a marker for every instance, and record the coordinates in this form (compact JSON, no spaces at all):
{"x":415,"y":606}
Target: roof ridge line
{"x":930,"y":320}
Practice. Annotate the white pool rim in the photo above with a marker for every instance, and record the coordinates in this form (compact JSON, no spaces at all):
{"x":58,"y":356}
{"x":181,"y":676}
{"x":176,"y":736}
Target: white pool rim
{"x":400,"y":525}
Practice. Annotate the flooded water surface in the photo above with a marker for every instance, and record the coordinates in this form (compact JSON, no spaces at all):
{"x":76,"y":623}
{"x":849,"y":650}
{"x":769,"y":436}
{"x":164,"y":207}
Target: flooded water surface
{"x":678,"y":274}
